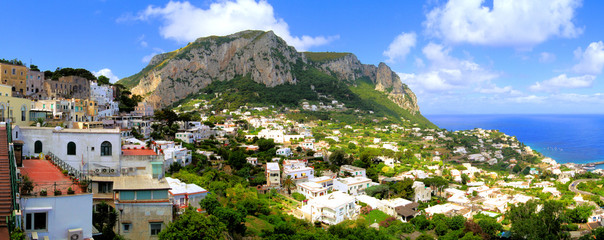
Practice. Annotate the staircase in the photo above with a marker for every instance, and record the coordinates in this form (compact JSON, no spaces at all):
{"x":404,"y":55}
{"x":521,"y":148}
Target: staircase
{"x":5,"y":185}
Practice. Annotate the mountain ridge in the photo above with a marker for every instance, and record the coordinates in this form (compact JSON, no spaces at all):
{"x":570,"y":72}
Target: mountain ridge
{"x":265,"y":58}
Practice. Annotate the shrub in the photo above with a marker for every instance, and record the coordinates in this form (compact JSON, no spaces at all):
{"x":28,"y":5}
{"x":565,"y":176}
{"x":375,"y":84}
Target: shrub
{"x":43,"y":192}
{"x":298,"y":196}
{"x":70,"y":191}
{"x":58,"y":192}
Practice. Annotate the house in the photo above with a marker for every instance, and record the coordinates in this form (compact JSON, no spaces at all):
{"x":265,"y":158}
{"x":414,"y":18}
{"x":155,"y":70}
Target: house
{"x":19,"y":107}
{"x":352,"y":185}
{"x":325,"y":181}
{"x":552,"y":190}
{"x":400,"y":208}
{"x":273,"y":175}
{"x":173,"y":153}
{"x":308,"y":144}
{"x":141,"y":160}
{"x":252,"y":160}
{"x":353,"y":171}
{"x":143,"y":204}
{"x":448,"y":209}
{"x":311,"y":189}
{"x":286,"y":152}
{"x":331,"y":209}
{"x":184,"y":195}
{"x":50,"y":215}
{"x":422,"y":193}
{"x":92,"y":150}
{"x":186,"y":137}
{"x":297,"y":170}
{"x":143,"y":109}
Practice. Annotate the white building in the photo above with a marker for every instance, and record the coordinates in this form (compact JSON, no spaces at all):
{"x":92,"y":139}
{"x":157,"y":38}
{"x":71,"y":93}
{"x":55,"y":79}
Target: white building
{"x":297,"y":170}
{"x":273,"y":174}
{"x":173,"y":153}
{"x":82,"y":149}
{"x":325,"y":181}
{"x":422,"y":193}
{"x":186,"y":137}
{"x":331,"y":209}
{"x":286,"y":152}
{"x":184,"y":194}
{"x":311,"y":189}
{"x":102,"y":94}
{"x":352,"y":185}
{"x":352,"y":170}
{"x":54,"y":216}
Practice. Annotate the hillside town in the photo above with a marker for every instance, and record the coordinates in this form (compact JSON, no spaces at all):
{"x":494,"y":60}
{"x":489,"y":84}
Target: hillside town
{"x":76,"y":164}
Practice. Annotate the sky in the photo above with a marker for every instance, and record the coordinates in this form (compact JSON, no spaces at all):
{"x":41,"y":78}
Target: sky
{"x":458,"y":56}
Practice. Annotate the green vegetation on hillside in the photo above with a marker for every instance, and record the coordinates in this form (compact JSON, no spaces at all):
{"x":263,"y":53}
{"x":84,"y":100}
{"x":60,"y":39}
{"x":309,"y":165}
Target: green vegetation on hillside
{"x":242,"y":90}
{"x":324,"y":56}
{"x":380,"y":103}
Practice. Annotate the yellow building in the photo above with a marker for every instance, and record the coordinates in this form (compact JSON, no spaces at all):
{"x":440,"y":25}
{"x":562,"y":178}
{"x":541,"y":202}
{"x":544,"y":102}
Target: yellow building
{"x":14,"y":76}
{"x":17,"y":109}
{"x":84,"y":110}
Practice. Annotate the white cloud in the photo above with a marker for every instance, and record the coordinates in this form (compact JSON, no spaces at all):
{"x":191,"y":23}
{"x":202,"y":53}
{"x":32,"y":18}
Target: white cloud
{"x":445,"y":73}
{"x":148,"y":58}
{"x":518,"y":23}
{"x":142,"y":41}
{"x":591,"y":61}
{"x":528,"y":99}
{"x":494,"y":89}
{"x":183,"y":22}
{"x":107,"y":73}
{"x":562,"y":81}
{"x":400,"y":47}
{"x":546,"y":57}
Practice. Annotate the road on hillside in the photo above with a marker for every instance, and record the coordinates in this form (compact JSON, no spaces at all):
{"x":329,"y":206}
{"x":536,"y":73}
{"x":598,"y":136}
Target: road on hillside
{"x":573,"y":187}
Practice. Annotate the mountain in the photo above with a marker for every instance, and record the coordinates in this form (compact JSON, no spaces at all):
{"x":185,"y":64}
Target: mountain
{"x":259,"y":67}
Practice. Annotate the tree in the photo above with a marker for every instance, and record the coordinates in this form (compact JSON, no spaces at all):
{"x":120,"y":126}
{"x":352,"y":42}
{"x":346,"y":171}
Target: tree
{"x":233,"y":219}
{"x":237,"y":159}
{"x":338,"y":158}
{"x":102,"y":80}
{"x":34,"y":67}
{"x":529,"y":223}
{"x":579,"y":214}
{"x":288,"y":183}
{"x":403,"y":189}
{"x":265,"y":144}
{"x":104,"y":218}
{"x":210,"y":203}
{"x":378,"y":191}
{"x":193,"y":225}
{"x":490,"y":227}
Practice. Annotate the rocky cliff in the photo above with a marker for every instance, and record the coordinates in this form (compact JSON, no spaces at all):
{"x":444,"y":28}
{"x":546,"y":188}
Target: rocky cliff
{"x":264,"y":56}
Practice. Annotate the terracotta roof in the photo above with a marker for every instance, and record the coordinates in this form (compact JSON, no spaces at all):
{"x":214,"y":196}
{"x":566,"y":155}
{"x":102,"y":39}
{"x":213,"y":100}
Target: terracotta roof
{"x":138,"y":152}
{"x":405,"y":211}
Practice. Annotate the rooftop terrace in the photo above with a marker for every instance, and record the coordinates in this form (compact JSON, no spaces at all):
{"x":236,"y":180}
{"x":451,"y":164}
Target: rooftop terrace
{"x":46,"y":176}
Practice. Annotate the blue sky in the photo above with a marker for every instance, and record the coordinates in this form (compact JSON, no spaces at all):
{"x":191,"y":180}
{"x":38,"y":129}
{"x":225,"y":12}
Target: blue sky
{"x":458,"y":56}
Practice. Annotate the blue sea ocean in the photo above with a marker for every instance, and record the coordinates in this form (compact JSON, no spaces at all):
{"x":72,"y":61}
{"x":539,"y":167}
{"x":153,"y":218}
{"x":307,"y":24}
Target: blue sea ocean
{"x":565,"y":138}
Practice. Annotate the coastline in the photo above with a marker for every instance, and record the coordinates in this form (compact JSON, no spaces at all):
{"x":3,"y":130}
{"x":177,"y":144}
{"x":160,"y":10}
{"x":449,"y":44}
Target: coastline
{"x":565,"y":138}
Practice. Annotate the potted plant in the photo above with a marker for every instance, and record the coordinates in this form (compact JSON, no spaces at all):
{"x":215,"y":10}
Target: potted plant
{"x":43,"y":192}
{"x":58,"y":192}
{"x":65,"y":172}
{"x":70,"y":191}
{"x":84,"y":185}
{"x":26,"y":185}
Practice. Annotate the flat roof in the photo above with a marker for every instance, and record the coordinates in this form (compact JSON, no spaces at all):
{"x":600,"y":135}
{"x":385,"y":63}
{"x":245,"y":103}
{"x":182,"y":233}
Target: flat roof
{"x":44,"y":175}
{"x":138,"y":152}
{"x":353,"y":180}
{"x":179,"y":187}
{"x":73,"y":130}
{"x":139,"y":182}
{"x":272,"y":166}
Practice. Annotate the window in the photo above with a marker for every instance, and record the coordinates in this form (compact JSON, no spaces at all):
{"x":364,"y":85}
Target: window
{"x":155,"y":228}
{"x":38,"y":147}
{"x":71,"y":148}
{"x":35,"y":221}
{"x":106,"y":148}
{"x":1,"y":113}
{"x":126,"y":227}
{"x":126,"y":195}
{"x":23,"y":110}
{"x":105,"y":187}
{"x":14,"y":71}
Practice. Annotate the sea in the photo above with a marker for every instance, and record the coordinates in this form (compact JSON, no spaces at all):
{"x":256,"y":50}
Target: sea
{"x":564,"y":138}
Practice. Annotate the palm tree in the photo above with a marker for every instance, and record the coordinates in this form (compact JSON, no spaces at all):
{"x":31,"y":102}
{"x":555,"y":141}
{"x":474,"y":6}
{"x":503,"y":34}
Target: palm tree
{"x":288,"y":183}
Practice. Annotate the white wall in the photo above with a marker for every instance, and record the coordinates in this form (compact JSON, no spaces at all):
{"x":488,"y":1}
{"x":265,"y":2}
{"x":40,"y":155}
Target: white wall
{"x":63,"y":212}
{"x":85,"y":140}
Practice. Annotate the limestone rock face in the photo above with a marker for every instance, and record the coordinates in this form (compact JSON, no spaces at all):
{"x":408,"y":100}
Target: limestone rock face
{"x":267,"y":58}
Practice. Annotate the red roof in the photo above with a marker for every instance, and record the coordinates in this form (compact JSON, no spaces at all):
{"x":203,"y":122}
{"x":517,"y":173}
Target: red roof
{"x":45,"y":175}
{"x":138,"y":152}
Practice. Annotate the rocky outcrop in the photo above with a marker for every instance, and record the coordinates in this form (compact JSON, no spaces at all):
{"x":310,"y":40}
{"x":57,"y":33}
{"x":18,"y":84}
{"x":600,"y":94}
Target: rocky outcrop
{"x":172,"y":76}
